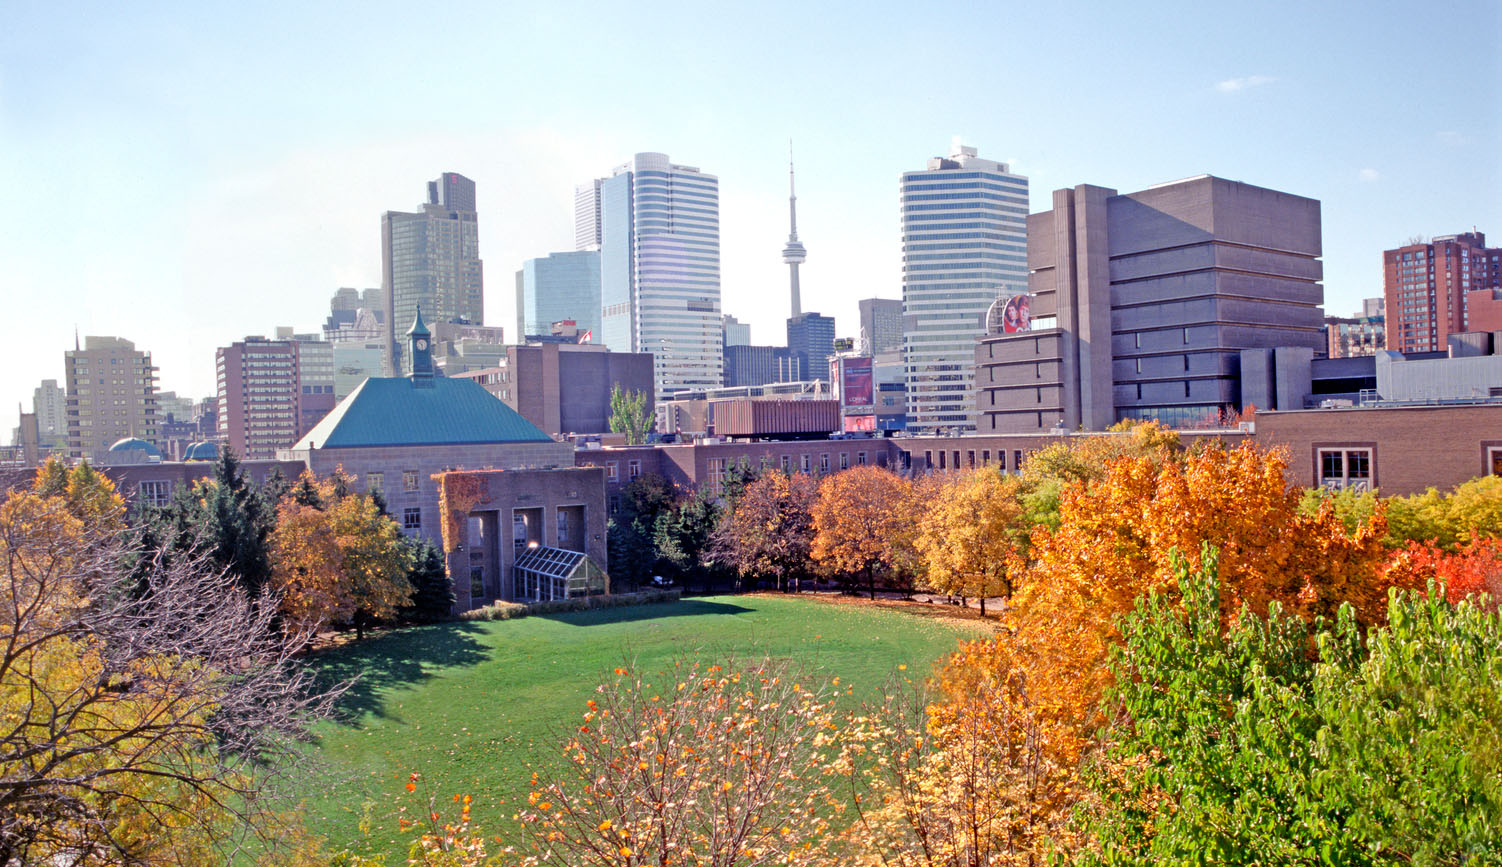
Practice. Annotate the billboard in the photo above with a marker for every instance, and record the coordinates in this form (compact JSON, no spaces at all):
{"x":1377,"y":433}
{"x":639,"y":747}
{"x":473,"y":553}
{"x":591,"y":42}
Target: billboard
{"x":855,"y":382}
{"x":1017,"y":315}
{"x":860,"y":423}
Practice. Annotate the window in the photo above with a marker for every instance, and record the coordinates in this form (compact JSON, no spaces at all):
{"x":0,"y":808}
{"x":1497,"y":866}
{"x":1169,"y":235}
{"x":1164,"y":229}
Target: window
{"x":985,"y":457}
{"x":633,"y":469}
{"x":956,"y":458}
{"x":786,"y":462}
{"x":970,"y":459}
{"x":518,"y":531}
{"x":562,"y":528}
{"x":1017,"y":460}
{"x":409,"y":480}
{"x":1345,"y":468}
{"x":476,"y":582}
{"x":1494,"y":460}
{"x":860,"y":459}
{"x":716,"y":475}
{"x":805,"y":462}
{"x":844,"y":460}
{"x":928,"y":459}
{"x":155,"y":493}
{"x":612,"y":470}
{"x":375,"y":483}
{"x":824,"y":463}
{"x":411,"y":518}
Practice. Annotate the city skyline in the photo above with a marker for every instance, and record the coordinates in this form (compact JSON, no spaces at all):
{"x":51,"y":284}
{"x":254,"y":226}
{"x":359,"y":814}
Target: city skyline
{"x":224,"y":172}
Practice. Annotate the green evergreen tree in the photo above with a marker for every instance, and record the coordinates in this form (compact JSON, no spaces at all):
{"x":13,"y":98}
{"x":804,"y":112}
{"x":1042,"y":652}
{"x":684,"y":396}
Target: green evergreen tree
{"x":432,"y":591}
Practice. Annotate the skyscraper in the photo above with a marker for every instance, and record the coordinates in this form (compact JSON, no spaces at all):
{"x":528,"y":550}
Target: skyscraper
{"x":964,"y":244}
{"x":49,"y":401}
{"x":881,"y":325}
{"x":556,"y":287}
{"x":587,"y":215}
{"x":811,"y":339}
{"x":111,"y":396}
{"x":431,"y":259}
{"x":737,"y":333}
{"x":1430,"y":289}
{"x":659,"y":227}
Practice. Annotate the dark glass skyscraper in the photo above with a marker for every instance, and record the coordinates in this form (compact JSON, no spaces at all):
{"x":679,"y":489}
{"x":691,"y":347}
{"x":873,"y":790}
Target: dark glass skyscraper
{"x":431,"y":259}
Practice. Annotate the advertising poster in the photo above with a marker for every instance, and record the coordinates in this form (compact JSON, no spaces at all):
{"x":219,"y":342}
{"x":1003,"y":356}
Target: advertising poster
{"x":1017,"y":315}
{"x":860,"y":423}
{"x":855,"y":387}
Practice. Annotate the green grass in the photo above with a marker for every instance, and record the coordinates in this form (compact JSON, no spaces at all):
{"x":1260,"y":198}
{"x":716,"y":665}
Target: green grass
{"x":474,"y":707}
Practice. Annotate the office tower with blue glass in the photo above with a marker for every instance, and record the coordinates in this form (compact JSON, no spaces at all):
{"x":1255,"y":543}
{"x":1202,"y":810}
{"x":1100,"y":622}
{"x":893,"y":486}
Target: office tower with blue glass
{"x":557,"y":287}
{"x":659,"y":231}
{"x":964,"y":244}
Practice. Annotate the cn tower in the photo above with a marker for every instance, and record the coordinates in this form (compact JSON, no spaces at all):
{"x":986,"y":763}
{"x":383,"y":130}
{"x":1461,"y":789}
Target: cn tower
{"x":793,"y":254}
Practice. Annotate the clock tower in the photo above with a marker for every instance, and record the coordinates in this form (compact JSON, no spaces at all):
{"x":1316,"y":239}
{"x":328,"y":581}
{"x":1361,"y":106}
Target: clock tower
{"x":419,"y":342}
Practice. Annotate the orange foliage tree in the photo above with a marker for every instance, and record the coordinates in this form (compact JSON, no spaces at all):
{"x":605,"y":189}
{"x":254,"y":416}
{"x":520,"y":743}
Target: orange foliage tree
{"x":864,"y":523}
{"x":1473,"y":571}
{"x":336,"y":558}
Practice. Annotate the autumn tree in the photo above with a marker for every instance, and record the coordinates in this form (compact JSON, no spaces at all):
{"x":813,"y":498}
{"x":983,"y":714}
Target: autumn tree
{"x":340,"y":561}
{"x":970,"y":532}
{"x":148,"y":707}
{"x":719,"y":764}
{"x":770,"y":529}
{"x":863,"y":524}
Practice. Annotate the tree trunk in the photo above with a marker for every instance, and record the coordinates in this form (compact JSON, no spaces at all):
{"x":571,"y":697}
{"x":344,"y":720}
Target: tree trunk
{"x":983,"y":606}
{"x":871,"y":580}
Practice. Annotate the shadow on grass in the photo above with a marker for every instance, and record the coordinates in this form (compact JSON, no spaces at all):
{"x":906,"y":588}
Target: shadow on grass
{"x":629,"y":613}
{"x":395,"y":660}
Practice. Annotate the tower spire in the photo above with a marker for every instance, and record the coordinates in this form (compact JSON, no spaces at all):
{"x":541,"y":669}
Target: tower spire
{"x":793,"y":254}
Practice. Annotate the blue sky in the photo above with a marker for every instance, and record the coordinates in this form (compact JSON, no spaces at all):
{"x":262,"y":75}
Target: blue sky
{"x":183,"y":175}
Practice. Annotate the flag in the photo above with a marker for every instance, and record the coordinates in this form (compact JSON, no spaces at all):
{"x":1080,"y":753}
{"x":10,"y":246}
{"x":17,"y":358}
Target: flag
{"x":586,"y":336}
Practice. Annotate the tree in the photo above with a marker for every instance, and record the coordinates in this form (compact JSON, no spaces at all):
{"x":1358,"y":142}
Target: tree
{"x":682,"y":535}
{"x":863,"y":523}
{"x":148,"y":711}
{"x":969,"y":534}
{"x":628,"y":415}
{"x":630,"y":534}
{"x":432,"y":589}
{"x":340,"y":562}
{"x":770,"y":530}
{"x":703,"y":764}
{"x":1236,"y":746}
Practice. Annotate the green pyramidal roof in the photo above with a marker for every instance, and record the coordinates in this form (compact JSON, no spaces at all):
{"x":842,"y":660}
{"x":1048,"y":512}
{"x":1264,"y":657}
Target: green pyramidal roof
{"x":390,"y":411}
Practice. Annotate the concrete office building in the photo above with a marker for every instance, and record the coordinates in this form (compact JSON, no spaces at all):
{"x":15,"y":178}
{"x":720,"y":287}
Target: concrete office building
{"x":1141,"y":305}
{"x":564,"y":388}
{"x":964,"y":244}
{"x":260,"y":396}
{"x":735,"y":332}
{"x":587,"y":215}
{"x":1446,"y":286}
{"x":659,"y":227}
{"x":556,"y":287}
{"x":315,"y":377}
{"x":111,"y":396}
{"x":811,"y":340}
{"x":431,"y":259}
{"x":881,"y":326}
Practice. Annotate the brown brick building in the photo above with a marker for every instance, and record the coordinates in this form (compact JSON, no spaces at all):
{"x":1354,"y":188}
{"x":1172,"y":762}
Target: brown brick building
{"x":1449,"y":285}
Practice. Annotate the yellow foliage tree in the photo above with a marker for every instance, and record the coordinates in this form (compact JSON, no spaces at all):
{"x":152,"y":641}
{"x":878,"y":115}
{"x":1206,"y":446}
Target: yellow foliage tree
{"x":969,"y":532}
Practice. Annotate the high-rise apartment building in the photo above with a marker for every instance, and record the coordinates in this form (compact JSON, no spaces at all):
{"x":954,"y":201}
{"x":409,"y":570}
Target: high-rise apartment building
{"x":556,"y":287}
{"x":431,"y":259}
{"x":811,"y":340}
{"x":111,"y":396}
{"x":881,"y":326}
{"x":964,"y":244}
{"x":659,"y":227}
{"x":315,"y":377}
{"x":1446,"y":286}
{"x":1149,"y":305}
{"x":259,"y":396}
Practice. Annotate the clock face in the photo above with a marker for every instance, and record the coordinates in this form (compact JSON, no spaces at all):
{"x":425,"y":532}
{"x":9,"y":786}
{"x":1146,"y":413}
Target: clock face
{"x":422,"y":344}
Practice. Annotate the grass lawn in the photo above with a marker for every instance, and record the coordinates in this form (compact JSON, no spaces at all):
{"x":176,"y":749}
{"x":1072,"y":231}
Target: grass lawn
{"x":473,"y":707}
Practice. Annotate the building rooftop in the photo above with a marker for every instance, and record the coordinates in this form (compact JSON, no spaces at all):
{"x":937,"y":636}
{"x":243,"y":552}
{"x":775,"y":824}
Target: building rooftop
{"x":391,"y":411}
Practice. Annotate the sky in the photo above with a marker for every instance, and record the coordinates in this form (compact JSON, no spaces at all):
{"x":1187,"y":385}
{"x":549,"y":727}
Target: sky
{"x":184,"y":175}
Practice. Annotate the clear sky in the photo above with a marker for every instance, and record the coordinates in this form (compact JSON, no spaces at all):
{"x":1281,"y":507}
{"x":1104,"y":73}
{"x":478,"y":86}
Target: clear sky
{"x":183,"y":175}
